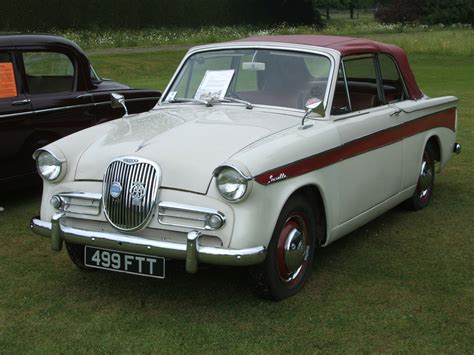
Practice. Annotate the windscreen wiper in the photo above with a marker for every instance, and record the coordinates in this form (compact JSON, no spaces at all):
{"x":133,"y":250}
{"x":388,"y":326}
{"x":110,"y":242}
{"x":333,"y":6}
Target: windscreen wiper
{"x":178,"y":100}
{"x":247,"y":104}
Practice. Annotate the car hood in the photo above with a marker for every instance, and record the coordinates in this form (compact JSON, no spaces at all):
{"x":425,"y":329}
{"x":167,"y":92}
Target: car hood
{"x":188,"y":142}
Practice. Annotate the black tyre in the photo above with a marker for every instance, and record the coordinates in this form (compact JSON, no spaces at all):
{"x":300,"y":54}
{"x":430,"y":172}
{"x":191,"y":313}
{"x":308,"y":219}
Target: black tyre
{"x":290,"y":252}
{"x":76,"y":254}
{"x":424,"y":188}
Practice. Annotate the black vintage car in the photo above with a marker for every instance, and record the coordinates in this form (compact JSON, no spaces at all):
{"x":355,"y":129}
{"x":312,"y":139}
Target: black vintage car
{"x":48,"y":89}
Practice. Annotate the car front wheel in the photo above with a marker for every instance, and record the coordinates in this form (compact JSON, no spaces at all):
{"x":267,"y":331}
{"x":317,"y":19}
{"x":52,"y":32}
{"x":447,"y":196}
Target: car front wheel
{"x":290,"y":252}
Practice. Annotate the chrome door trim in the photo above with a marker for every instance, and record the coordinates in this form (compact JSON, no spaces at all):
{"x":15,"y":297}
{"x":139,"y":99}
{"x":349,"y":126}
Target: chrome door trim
{"x":70,"y":107}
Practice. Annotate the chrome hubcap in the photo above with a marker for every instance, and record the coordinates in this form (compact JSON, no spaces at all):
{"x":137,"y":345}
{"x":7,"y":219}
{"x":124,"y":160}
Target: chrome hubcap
{"x":426,"y":178}
{"x":293,"y":250}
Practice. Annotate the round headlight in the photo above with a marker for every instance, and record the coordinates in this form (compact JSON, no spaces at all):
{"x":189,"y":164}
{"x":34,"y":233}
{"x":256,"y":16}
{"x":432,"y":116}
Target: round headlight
{"x":232,"y":185}
{"x":48,"y":166}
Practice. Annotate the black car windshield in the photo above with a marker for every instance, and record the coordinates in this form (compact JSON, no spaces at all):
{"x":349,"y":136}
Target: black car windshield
{"x":259,"y":76}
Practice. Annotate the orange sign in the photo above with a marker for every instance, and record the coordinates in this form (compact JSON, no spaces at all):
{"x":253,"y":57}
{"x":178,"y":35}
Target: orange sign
{"x":7,"y":81}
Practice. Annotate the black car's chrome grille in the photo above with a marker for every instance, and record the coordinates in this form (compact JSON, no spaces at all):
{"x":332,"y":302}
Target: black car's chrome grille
{"x":130,"y":191}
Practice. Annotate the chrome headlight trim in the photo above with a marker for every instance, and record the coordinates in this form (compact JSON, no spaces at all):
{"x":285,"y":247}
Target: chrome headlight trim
{"x":245,"y":183}
{"x":58,"y":165}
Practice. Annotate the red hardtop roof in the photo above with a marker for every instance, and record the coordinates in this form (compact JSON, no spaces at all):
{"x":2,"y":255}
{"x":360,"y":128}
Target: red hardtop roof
{"x":348,"y":46}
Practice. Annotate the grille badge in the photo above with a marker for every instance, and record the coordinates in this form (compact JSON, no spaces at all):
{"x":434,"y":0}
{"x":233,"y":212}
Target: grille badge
{"x":115,"y":189}
{"x":137,"y":192}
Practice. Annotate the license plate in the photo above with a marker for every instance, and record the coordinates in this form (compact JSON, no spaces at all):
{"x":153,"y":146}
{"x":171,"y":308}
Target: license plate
{"x":137,"y":264}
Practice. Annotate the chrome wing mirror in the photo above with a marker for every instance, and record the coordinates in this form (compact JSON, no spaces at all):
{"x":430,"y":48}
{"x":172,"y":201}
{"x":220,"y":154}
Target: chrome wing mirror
{"x":312,"y":105}
{"x":117,"y":101}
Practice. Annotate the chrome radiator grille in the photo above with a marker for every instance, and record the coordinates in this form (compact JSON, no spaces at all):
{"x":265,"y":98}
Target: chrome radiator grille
{"x":129,"y":192}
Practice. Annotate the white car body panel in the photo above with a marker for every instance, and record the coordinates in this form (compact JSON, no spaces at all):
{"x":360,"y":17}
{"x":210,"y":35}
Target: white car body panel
{"x":187,"y":129}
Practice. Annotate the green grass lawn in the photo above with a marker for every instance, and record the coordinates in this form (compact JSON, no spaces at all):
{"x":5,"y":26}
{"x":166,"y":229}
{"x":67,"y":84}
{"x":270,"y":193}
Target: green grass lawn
{"x":141,"y":70}
{"x":402,"y":283}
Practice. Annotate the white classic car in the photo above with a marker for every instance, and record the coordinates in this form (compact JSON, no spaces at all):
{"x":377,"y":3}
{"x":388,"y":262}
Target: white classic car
{"x":259,"y":151}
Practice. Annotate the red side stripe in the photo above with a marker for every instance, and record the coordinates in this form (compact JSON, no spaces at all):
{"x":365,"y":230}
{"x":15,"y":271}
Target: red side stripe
{"x":362,"y":145}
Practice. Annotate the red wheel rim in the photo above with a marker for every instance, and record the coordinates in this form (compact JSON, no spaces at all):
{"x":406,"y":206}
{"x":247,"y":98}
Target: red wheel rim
{"x":293,"y":250}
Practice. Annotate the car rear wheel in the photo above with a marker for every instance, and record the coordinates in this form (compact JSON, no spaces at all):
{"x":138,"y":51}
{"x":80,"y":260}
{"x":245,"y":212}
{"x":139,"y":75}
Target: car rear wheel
{"x":424,"y":188}
{"x":76,"y":254}
{"x":290,"y":252}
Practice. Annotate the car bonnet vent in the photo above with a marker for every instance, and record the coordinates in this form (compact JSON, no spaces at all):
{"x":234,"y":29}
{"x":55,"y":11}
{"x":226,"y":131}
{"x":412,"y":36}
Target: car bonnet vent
{"x":130,"y":191}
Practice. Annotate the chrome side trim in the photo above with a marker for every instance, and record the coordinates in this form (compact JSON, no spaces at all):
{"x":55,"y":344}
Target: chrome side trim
{"x":206,"y":212}
{"x":63,"y":108}
{"x":138,"y":99}
{"x":8,"y":115}
{"x":70,"y":107}
{"x":191,"y":251}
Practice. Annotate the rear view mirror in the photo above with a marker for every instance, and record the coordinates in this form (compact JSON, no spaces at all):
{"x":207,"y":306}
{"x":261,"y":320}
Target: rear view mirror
{"x":253,"y":66}
{"x":314,"y":105}
{"x":117,"y":101}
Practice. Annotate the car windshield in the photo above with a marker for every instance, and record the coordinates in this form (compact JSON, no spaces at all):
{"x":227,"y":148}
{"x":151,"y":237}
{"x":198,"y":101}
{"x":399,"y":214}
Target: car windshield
{"x":256,"y":76}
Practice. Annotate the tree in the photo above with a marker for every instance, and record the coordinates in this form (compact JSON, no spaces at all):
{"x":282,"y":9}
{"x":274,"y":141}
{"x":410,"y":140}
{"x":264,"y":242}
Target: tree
{"x":293,"y":12}
{"x":426,"y":11}
{"x":327,"y":5}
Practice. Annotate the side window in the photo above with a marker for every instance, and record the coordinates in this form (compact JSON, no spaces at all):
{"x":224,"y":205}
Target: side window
{"x":48,"y":72}
{"x":361,"y":81}
{"x":8,"y":84}
{"x":391,"y":79}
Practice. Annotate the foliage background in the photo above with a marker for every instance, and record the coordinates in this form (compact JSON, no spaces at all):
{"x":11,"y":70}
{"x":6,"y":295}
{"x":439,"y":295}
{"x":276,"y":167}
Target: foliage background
{"x":425,"y":11}
{"x":34,"y":15}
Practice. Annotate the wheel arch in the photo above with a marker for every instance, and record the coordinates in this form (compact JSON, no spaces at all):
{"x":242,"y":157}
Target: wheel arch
{"x":435,"y":143}
{"x":313,"y":195}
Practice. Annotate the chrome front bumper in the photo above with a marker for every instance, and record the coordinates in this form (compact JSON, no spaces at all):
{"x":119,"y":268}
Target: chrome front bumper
{"x":191,"y":251}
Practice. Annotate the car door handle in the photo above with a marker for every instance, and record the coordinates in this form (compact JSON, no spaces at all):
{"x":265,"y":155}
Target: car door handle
{"x":396,"y":113}
{"x":21,"y":102}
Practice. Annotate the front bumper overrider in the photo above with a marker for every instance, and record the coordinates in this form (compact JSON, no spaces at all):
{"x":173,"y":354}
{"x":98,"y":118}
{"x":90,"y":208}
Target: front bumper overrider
{"x":192,"y":252}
